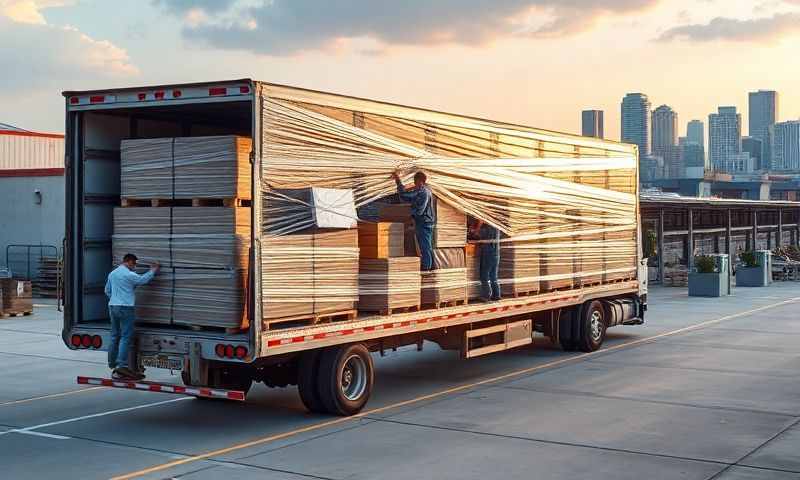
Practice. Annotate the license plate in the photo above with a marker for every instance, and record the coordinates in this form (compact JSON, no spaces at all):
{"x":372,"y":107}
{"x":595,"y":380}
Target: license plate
{"x":167,"y":362}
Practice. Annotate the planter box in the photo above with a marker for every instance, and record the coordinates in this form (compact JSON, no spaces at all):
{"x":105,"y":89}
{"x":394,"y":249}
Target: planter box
{"x":708,"y":284}
{"x":752,"y":276}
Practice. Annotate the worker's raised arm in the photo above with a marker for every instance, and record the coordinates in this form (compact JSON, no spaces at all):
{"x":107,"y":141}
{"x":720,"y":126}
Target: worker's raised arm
{"x":401,"y":190}
{"x":137,"y":279}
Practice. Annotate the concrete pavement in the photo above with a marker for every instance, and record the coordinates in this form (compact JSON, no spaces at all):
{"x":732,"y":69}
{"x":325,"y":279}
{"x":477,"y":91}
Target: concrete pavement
{"x":720,"y":401}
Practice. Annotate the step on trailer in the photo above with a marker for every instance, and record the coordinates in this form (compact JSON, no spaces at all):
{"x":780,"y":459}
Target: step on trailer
{"x":569,"y":203}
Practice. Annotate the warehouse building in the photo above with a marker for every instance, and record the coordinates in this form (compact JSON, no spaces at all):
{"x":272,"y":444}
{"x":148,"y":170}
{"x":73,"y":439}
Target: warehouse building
{"x":31,"y":203}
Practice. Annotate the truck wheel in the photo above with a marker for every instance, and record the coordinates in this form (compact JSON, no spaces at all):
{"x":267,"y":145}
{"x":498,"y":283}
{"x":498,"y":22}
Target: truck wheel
{"x":567,"y":326}
{"x":345,"y":378}
{"x":593,"y":324}
{"x":307,"y":381}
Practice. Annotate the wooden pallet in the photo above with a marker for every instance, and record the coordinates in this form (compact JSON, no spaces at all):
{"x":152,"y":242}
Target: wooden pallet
{"x":301,"y":320}
{"x":527,"y":293}
{"x":186,"y":202}
{"x":6,"y":314}
{"x":391,"y":311}
{"x":451,"y":303}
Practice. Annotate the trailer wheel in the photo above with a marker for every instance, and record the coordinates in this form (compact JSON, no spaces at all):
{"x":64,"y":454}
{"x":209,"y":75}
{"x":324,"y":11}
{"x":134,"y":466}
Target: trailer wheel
{"x":345,"y":378}
{"x":307,"y":381}
{"x":593,"y":324}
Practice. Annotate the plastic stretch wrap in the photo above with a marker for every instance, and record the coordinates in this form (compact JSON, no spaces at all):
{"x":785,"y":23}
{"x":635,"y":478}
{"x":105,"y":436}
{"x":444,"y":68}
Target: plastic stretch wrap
{"x":566,"y":206}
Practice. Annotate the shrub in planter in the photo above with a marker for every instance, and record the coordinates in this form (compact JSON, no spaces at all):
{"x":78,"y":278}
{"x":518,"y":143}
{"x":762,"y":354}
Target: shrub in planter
{"x":706,"y":280}
{"x":751,"y":274}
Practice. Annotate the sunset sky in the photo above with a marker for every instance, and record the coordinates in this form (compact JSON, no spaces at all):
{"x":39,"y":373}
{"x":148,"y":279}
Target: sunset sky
{"x":537,"y":62}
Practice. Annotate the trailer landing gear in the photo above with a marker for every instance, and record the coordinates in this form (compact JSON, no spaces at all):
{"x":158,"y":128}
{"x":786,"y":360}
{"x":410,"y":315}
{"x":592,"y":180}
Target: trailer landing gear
{"x":336,"y":380}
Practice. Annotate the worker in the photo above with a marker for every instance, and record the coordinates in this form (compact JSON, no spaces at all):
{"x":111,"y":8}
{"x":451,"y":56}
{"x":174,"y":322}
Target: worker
{"x":422,"y":211}
{"x":489,"y":237}
{"x":120,"y":286}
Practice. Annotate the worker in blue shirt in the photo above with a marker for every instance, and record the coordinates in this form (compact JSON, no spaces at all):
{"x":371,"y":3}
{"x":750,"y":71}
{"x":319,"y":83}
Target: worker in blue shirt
{"x":120,"y":286}
{"x":489,"y":260}
{"x":421,"y":199}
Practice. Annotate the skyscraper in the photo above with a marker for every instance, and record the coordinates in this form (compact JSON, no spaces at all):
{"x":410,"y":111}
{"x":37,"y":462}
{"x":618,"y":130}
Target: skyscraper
{"x":755,"y":147}
{"x":786,"y":148}
{"x":636,"y":122}
{"x":665,"y":128}
{"x":592,"y":123}
{"x":693,"y":158}
{"x":665,"y":140}
{"x":725,"y":139}
{"x":763,"y":114}
{"x":695,"y":133}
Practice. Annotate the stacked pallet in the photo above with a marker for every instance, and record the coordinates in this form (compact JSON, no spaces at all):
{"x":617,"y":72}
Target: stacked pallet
{"x":17,"y":297}
{"x":186,"y":168}
{"x":444,"y":287}
{"x":46,"y":283}
{"x":451,"y":226}
{"x":387,"y":285}
{"x":309,"y":276}
{"x":519,"y":268}
{"x":381,"y":239}
{"x":472,"y":263}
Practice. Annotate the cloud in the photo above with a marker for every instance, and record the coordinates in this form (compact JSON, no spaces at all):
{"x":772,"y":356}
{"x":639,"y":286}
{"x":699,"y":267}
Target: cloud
{"x":37,"y":54}
{"x":763,"y":29}
{"x":281,"y":27}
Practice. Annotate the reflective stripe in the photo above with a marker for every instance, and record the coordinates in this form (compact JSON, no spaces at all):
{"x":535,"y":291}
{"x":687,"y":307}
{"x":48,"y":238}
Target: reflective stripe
{"x":164,"y":388}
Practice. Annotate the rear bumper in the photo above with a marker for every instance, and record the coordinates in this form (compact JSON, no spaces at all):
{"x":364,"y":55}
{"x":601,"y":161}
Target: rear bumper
{"x":165,"y":388}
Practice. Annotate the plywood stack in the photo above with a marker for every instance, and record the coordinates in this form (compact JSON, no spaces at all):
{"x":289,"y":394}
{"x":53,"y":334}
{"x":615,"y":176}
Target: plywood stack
{"x":451,"y":226}
{"x":444,"y":287}
{"x":215,"y":167}
{"x":389,"y":284}
{"x":17,"y":298}
{"x":381,"y":239}
{"x":519,"y":268}
{"x":309,"y":276}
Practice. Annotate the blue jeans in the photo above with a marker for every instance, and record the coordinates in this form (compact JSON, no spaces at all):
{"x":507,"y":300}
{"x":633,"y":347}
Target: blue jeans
{"x":122,"y":331}
{"x":424,"y":233}
{"x":490,"y":264}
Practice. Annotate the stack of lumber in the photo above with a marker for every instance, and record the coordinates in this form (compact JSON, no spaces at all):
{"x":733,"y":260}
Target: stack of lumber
{"x":186,"y":167}
{"x":309,"y":276}
{"x":381,"y":240}
{"x":389,"y":284}
{"x":194,"y":297}
{"x":16,"y":296}
{"x":451,"y":226}
{"x":46,"y":282}
{"x":447,"y":258}
{"x":444,"y":287}
{"x":519,"y":268}
{"x":183,"y":237}
{"x":620,"y":254}
{"x":400,"y":213}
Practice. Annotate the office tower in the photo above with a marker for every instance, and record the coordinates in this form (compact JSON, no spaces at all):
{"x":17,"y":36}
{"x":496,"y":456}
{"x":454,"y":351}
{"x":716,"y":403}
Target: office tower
{"x":695,"y":132}
{"x":755,"y":147}
{"x":664,"y":128}
{"x":724,"y":138}
{"x":592,"y":123}
{"x":636,"y":122}
{"x":693,"y":158}
{"x":786,"y":146}
{"x":762,"y":116}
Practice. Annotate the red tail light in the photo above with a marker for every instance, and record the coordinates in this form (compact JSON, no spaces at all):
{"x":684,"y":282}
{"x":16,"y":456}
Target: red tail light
{"x":229,"y":351}
{"x":159,"y":95}
{"x":218,"y":91}
{"x":142,"y":96}
{"x":74,"y":100}
{"x":176,"y":94}
{"x":244,"y":89}
{"x":75,"y":341}
{"x":241,"y":352}
{"x":97,"y":341}
{"x":86,"y":341}
{"x":97,"y":99}
{"x":220,"y":350}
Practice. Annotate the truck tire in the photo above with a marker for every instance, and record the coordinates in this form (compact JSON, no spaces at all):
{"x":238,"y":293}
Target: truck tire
{"x":567,"y":327}
{"x":307,"y":381}
{"x":345,"y":378}
{"x":593,"y":325}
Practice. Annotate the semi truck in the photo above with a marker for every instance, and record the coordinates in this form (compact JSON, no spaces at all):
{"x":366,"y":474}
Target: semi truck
{"x":330,"y":363}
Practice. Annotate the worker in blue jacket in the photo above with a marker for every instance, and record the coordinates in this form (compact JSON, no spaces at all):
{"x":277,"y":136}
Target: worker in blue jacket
{"x":489,"y":237}
{"x":421,"y":199}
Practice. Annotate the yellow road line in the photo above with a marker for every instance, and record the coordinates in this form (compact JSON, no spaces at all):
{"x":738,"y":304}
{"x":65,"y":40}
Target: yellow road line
{"x":45,"y":397}
{"x":516,"y":373}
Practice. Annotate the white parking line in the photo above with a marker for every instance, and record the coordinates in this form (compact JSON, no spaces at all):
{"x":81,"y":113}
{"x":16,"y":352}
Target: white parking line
{"x":30,"y":430}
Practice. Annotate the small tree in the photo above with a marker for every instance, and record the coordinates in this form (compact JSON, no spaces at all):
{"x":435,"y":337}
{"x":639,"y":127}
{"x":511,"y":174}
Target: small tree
{"x":749,"y":259}
{"x":705,"y":264}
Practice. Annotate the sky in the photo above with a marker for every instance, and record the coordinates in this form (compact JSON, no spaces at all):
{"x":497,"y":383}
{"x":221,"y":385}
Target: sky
{"x":535,"y":62}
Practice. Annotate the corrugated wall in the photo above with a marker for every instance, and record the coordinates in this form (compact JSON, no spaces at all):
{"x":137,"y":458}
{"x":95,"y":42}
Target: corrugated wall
{"x":30,"y":151}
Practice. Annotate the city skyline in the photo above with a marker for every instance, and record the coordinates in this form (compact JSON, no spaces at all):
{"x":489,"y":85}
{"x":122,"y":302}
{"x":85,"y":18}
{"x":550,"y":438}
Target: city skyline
{"x":464,"y":59}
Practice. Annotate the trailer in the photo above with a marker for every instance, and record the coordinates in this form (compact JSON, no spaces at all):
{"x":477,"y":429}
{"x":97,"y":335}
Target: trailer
{"x":331,"y":361}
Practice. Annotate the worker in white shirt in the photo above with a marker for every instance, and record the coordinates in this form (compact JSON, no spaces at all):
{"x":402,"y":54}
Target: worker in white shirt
{"x":120,"y":286}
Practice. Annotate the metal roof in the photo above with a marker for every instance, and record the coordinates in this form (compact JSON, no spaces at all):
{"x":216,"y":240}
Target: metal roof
{"x":10,"y":128}
{"x":675,"y":200}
